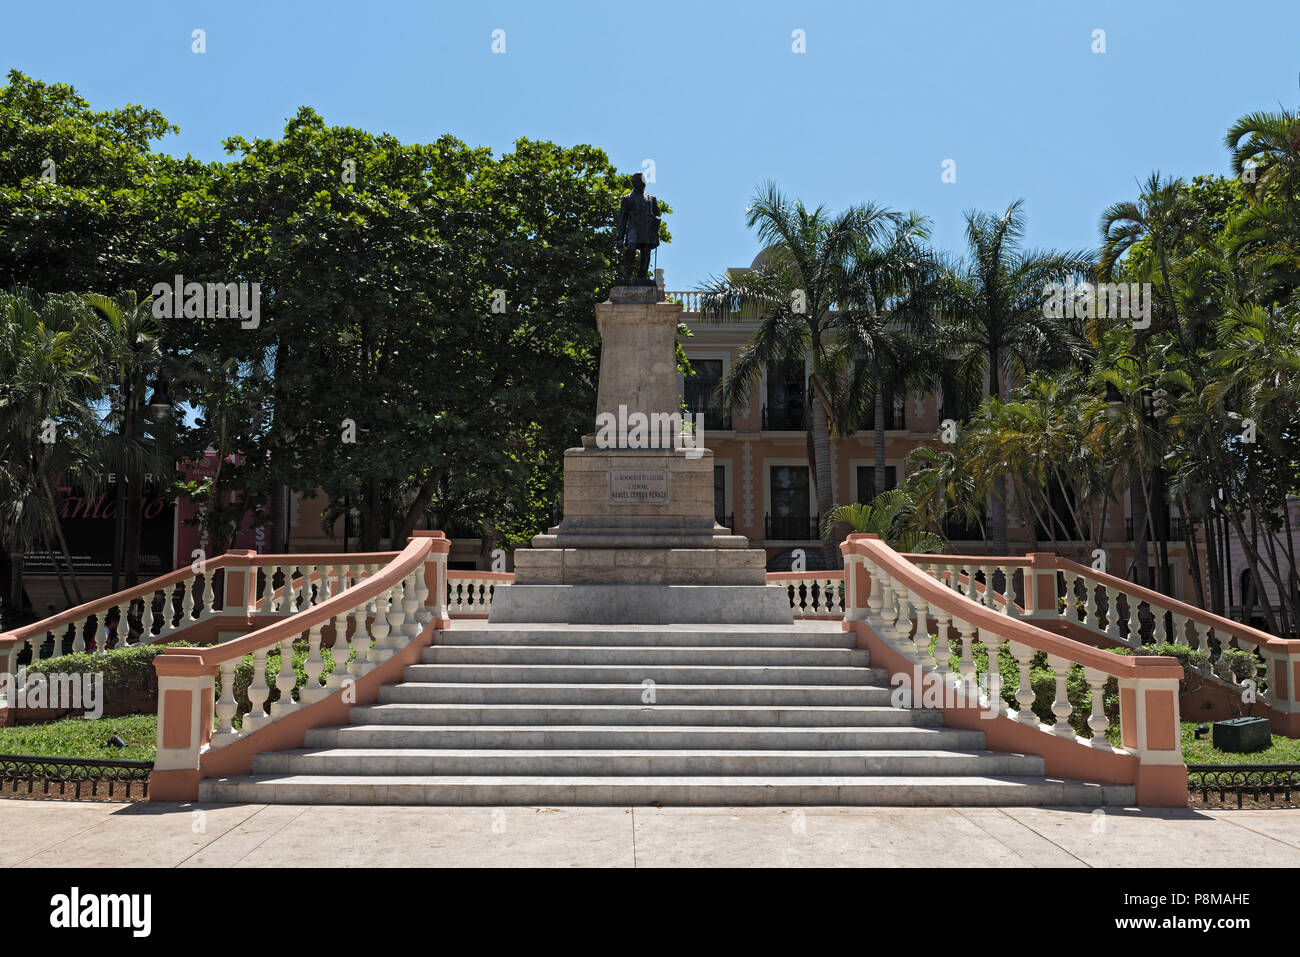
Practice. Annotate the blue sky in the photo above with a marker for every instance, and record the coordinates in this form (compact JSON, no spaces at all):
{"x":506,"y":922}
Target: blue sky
{"x":714,"y":95}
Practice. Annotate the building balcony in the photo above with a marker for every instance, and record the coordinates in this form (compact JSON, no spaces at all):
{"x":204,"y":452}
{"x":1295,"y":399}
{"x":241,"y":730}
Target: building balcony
{"x":792,"y":528}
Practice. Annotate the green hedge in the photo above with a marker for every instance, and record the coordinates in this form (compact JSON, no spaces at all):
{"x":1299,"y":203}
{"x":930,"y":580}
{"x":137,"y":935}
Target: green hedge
{"x":244,"y":676}
{"x":126,"y":670}
{"x":1043,"y":680}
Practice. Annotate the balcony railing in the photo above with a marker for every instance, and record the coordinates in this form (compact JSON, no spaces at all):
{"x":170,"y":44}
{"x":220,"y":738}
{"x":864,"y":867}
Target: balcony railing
{"x":792,"y":528}
{"x":783,"y":418}
{"x":715,"y":419}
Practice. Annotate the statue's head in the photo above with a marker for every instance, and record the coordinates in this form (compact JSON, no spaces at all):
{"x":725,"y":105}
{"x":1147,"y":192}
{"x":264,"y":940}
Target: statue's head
{"x":638,"y":181}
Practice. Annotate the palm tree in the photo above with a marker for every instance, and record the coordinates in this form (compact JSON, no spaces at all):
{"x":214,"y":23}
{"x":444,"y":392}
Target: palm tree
{"x":133,"y":358}
{"x":1161,"y":217}
{"x":993,"y":303}
{"x":889,"y":515}
{"x":885,"y":325}
{"x":792,"y":294}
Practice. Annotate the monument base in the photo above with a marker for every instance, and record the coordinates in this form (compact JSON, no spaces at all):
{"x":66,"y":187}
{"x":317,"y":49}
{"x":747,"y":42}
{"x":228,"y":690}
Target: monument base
{"x":641,"y":605}
{"x":640,"y":566}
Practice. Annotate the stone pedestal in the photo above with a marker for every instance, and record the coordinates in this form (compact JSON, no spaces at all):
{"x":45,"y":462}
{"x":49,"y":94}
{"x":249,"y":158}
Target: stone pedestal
{"x":638,"y":497}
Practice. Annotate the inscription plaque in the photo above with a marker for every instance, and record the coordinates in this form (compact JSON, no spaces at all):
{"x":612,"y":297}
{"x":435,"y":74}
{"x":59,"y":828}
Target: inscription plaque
{"x":638,"y":486}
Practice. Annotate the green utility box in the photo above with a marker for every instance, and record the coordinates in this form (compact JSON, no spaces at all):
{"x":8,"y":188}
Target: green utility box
{"x":1242,"y":735}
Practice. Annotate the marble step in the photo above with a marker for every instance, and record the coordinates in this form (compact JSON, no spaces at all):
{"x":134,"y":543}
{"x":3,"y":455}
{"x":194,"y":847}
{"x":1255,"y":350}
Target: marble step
{"x":435,"y":692}
{"x":415,"y":761}
{"x":741,"y":716}
{"x":660,"y":674}
{"x":657,"y":737}
{"x":799,"y":635}
{"x":637,"y":655}
{"x":673,"y":790}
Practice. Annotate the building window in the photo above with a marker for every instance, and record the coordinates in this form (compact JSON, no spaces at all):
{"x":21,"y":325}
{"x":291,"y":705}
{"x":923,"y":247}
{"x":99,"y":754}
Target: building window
{"x":701,"y":394}
{"x":785,"y":392}
{"x":867,"y":481}
{"x":790,"y":518}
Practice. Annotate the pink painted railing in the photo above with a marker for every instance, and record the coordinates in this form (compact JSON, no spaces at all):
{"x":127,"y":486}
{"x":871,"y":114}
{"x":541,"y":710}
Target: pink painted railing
{"x":370,"y":622}
{"x":890,"y":602}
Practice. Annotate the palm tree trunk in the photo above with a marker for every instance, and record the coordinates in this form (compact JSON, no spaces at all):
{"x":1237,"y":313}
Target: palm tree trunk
{"x":879,"y":425}
{"x":997,"y":499}
{"x":821,"y":441}
{"x":63,"y":542}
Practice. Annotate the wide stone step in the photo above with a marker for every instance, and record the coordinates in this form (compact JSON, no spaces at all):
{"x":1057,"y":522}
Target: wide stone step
{"x":660,"y":674}
{"x":657,"y":737}
{"x":418,"y":761}
{"x":644,"y":714}
{"x":987,"y":790}
{"x":799,"y":635}
{"x":638,"y":655}
{"x":413,"y":692}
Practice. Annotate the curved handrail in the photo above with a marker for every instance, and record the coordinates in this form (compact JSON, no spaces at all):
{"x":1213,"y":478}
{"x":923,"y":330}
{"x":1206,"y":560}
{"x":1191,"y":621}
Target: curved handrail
{"x":1012,"y":629}
{"x":136,"y":592}
{"x":408,"y":560}
{"x":1156,"y":600}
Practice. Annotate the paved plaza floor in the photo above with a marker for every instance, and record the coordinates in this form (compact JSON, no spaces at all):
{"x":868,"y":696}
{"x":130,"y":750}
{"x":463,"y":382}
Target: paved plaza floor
{"x":89,"y":834}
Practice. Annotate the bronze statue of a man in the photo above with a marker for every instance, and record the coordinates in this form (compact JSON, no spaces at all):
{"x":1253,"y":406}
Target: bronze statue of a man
{"x":637,"y":232}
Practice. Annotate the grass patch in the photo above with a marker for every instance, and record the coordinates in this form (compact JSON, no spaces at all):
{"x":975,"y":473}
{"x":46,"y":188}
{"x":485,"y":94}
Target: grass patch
{"x":1282,"y":751}
{"x":80,"y":738}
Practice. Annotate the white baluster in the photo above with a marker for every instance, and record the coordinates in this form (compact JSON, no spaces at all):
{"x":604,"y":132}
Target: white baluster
{"x":966,"y":664}
{"x":285,"y":680}
{"x":876,"y":598}
{"x":288,"y":596}
{"x":993,"y":645}
{"x":942,"y":649}
{"x":1132,"y":622}
{"x":147,"y":618}
{"x":315,"y":664}
{"x":1180,"y":629}
{"x":1097,"y":720}
{"x":1112,"y":613}
{"x":410,"y":603}
{"x":324,"y":591}
{"x":339,"y":651}
{"x":1061,"y":706}
{"x":226,"y":706}
{"x":79,"y":632}
{"x":123,"y":633}
{"x":187,"y":602}
{"x":268,"y":588}
{"x":1024,"y":656}
{"x":379,"y":629}
{"x":258,"y":692}
{"x":209,"y":596}
{"x":424,"y":614}
{"x":1090,"y":616}
{"x":921,"y":638}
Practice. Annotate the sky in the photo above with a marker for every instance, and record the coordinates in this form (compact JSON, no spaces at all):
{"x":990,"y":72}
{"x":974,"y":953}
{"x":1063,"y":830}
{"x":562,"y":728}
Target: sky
{"x":715,"y":95}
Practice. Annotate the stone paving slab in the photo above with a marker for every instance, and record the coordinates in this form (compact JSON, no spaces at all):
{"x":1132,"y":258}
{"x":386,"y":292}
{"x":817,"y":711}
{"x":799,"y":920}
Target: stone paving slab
{"x":104,"y":834}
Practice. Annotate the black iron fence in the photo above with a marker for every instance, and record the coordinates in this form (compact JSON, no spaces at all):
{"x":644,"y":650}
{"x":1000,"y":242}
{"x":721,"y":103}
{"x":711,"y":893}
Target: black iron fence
{"x":1260,"y":782}
{"x":79,"y":774}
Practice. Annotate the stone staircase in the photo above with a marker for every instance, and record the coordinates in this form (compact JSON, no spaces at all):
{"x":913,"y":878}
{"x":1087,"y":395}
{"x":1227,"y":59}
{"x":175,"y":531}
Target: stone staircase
{"x":640,"y":714}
